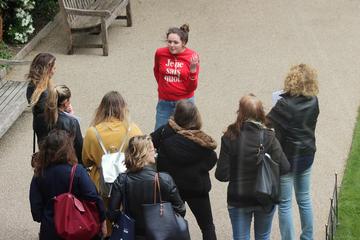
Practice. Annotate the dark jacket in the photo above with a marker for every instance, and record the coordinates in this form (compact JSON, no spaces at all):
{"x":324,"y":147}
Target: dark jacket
{"x":294,"y":119}
{"x":55,"y":181}
{"x":65,"y":122}
{"x":39,"y":108}
{"x":237,"y":163}
{"x":139,"y":191}
{"x":187,"y":156}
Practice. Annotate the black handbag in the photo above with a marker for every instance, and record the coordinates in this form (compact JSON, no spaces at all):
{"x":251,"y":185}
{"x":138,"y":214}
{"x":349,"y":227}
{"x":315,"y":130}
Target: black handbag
{"x":124,"y":228}
{"x":161,"y":222}
{"x":267,"y":188}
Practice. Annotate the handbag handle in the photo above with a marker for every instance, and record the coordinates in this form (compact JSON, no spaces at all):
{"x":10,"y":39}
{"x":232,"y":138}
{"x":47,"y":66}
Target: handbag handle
{"x":157,"y":187}
{"x":124,"y":199}
{"x":72,"y":174}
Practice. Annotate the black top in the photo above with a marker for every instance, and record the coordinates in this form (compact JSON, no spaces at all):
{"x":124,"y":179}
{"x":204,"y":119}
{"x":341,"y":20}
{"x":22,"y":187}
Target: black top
{"x":139,"y":191}
{"x":185,"y":160}
{"x":237,"y":163}
{"x":294,"y":119}
{"x":65,"y":122}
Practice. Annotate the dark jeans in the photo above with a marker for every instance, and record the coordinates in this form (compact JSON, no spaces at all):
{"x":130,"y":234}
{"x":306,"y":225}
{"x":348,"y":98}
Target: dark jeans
{"x":201,"y":208}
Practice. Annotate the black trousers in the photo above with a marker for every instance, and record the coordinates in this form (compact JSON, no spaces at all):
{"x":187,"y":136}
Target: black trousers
{"x":201,"y":208}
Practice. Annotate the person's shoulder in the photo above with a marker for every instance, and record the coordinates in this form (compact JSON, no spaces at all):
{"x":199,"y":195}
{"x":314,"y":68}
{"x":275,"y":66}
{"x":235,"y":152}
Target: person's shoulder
{"x":162,"y":51}
{"x":90,"y":133}
{"x":134,"y":129}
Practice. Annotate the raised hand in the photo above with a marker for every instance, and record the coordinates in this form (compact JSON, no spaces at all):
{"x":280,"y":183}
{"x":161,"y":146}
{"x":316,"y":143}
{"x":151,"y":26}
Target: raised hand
{"x":194,"y":61}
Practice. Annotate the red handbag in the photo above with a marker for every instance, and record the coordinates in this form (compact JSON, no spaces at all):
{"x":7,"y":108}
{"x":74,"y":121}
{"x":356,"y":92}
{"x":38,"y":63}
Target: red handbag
{"x":74,"y":218}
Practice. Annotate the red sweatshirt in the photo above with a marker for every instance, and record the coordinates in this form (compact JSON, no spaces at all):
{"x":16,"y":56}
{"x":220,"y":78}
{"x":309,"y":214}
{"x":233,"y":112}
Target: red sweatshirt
{"x":172,"y":73}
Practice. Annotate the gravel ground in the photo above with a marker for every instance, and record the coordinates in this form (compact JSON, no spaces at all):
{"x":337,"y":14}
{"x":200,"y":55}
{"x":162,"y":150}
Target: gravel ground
{"x":245,"y":46}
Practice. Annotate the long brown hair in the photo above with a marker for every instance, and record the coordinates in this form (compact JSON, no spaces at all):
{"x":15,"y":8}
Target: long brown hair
{"x":57,"y":148}
{"x":250,"y":108}
{"x":40,"y":74}
{"x":56,"y":98}
{"x":112,"y":105}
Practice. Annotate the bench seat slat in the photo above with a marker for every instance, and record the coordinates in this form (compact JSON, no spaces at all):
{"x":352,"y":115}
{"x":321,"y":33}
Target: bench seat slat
{"x":12,"y":103}
{"x":11,"y":95}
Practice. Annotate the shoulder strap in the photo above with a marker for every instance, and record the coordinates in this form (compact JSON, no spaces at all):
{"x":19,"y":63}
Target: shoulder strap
{"x":124,"y":196}
{"x":261,"y":147}
{"x":72,"y":174}
{"x":100,"y":140}
{"x":126,"y":136}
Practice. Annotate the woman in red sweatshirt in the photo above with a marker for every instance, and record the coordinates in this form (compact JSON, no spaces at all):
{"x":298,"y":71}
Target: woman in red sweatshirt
{"x":176,"y":70}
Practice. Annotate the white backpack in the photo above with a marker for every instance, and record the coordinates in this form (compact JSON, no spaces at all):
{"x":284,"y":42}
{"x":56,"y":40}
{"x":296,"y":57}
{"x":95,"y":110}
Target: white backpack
{"x":112,"y":164}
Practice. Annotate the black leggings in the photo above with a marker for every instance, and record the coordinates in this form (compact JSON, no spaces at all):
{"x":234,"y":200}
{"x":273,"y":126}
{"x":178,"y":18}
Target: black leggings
{"x":201,"y":208}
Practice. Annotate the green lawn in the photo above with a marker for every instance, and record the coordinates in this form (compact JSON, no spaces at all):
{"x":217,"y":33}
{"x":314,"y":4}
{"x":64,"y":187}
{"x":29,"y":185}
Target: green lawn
{"x":349,"y":201}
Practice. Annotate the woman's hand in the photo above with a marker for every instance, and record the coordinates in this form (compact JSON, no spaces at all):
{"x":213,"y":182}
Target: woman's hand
{"x":104,"y":228}
{"x":69,"y":109}
{"x":194,"y":61}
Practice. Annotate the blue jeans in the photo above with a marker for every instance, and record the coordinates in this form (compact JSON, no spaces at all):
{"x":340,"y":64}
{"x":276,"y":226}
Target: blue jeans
{"x":241,"y":222}
{"x":301,"y":184}
{"x":164,"y":110}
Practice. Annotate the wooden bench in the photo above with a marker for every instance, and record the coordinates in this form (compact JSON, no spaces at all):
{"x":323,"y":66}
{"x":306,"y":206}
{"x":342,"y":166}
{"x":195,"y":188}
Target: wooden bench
{"x":12,"y":99}
{"x":92,"y":16}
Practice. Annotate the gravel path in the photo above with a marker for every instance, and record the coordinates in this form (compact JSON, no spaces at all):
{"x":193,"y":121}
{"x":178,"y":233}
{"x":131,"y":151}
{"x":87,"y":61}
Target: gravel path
{"x":245,"y":46}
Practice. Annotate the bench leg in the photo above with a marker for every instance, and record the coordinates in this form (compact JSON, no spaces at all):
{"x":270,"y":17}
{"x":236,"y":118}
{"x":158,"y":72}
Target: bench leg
{"x":70,"y":46}
{"x":128,"y":15}
{"x":104,"y":36}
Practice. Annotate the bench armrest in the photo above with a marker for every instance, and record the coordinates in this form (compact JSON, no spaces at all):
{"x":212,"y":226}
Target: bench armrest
{"x":84,"y":12}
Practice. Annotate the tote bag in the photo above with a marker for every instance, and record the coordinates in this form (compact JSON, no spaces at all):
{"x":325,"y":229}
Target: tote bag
{"x":267,"y":187}
{"x":124,"y":228}
{"x":161,"y":222}
{"x":75,"y":218}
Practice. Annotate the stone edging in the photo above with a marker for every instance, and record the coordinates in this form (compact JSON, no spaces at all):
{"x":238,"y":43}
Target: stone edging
{"x":33,"y":42}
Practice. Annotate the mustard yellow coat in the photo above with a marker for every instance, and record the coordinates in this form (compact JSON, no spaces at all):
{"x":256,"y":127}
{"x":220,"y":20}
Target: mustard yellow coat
{"x":112,"y":134}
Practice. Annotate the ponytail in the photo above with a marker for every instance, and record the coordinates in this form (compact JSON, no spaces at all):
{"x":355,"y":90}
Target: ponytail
{"x":56,"y":98}
{"x":51,"y":110}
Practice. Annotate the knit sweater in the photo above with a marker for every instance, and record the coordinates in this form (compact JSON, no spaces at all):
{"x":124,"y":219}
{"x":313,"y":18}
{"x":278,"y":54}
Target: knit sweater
{"x":172,"y":73}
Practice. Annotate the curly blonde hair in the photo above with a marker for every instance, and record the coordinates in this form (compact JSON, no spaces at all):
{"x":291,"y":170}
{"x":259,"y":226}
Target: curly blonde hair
{"x":137,"y":152}
{"x":301,"y":80}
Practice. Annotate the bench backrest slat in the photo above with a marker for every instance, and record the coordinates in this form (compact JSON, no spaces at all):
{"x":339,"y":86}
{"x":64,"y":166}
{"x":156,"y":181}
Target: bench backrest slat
{"x":80,"y":4}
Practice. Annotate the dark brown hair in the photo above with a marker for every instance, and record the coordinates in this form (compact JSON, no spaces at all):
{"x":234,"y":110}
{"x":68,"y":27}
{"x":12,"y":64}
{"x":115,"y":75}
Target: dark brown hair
{"x":182,"y":32}
{"x":187,"y":116}
{"x":250,"y":108}
{"x":112,"y":105}
{"x":56,"y":148}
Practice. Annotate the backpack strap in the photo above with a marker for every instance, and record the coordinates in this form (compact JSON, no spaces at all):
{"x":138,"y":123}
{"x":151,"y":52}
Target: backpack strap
{"x":126,"y":136}
{"x":100,"y":140}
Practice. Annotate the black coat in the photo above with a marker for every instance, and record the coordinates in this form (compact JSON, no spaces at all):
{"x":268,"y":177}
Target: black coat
{"x":294,"y":119}
{"x":55,"y":181}
{"x":39,"y":108}
{"x":139,"y":191}
{"x":185,"y":160}
{"x":65,"y":122}
{"x":237,"y":163}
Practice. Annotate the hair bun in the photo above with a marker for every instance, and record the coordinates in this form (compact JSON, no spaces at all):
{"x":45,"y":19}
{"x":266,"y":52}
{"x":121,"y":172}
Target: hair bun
{"x":185,"y":27}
